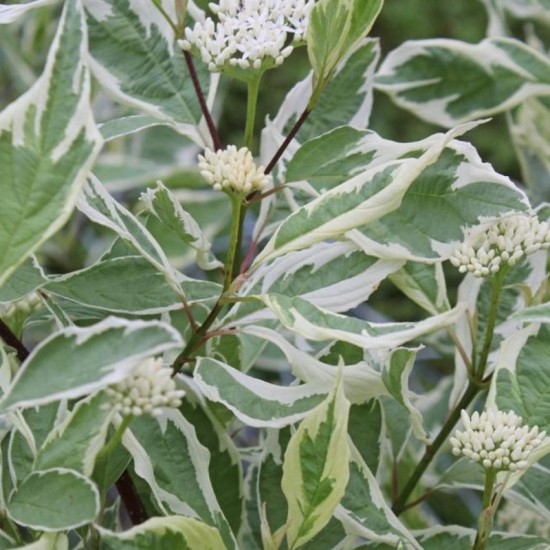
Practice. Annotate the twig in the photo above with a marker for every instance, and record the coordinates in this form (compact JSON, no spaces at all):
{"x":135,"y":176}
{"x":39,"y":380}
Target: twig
{"x":286,"y":142}
{"x":130,"y":498}
{"x":11,"y":340}
{"x":202,"y":102}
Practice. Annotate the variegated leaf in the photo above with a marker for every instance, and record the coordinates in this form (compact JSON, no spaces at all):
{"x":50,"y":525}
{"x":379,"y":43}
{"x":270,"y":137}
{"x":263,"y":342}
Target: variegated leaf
{"x":48,"y":142}
{"x":365,"y":513}
{"x":355,"y":203}
{"x":143,"y":66}
{"x":335,"y":28}
{"x":96,"y":203}
{"x":47,"y":500}
{"x":316,"y":323}
{"x":28,"y":277}
{"x":129,"y":284}
{"x":48,"y":541}
{"x":460,"y":538}
{"x":427,"y":77}
{"x":458,"y":189}
{"x":337,"y":276}
{"x":169,"y":457}
{"x":529,"y":127}
{"x":225,"y":467}
{"x":76,"y":441}
{"x":315,"y":468}
{"x":396,"y":377}
{"x":127,"y":125}
{"x":255,"y":402}
{"x":168,"y":210}
{"x":77,"y":361}
{"x":361,"y":381}
{"x":522,"y":377}
{"x":167,"y":532}
{"x":347,"y":99}
{"x":10,"y":13}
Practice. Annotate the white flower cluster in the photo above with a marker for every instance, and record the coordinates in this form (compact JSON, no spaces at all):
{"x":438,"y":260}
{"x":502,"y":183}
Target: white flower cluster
{"x":249,"y":32}
{"x":149,"y":388}
{"x":232,"y":169}
{"x":514,"y":518}
{"x":504,"y":242}
{"x":496,"y":440}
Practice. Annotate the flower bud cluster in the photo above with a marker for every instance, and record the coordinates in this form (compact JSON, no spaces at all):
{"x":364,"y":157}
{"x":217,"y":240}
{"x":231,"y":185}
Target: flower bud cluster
{"x":25,"y":306}
{"x":505,"y":242}
{"x":232,"y":170}
{"x":149,"y":388}
{"x":496,"y":440}
{"x":248,"y":32}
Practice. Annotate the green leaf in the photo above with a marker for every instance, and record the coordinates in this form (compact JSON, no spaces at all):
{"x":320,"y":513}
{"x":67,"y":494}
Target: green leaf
{"x":427,"y":78}
{"x":77,"y":361}
{"x":76,"y":441}
{"x":54,"y":500}
{"x":315,"y":469}
{"x":335,"y":28}
{"x":135,"y":58}
{"x":167,"y":533}
{"x":169,"y":457}
{"x":255,"y":402}
{"x":129,"y":284}
{"x":48,"y":142}
{"x":168,"y":210}
{"x":355,"y":203}
{"x":27,"y":278}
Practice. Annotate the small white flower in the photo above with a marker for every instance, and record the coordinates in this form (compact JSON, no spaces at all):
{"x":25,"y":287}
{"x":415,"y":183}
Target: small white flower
{"x":496,"y":440}
{"x":505,"y":242}
{"x":232,"y":169}
{"x":249,"y":32}
{"x":149,"y":388}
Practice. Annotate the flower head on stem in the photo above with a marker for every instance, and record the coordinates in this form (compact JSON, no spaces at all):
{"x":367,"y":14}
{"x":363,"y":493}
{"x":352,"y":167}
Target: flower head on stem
{"x":249,"y":33}
{"x":497,"y":440}
{"x":233,"y":170}
{"x":149,"y":388}
{"x":504,"y":243}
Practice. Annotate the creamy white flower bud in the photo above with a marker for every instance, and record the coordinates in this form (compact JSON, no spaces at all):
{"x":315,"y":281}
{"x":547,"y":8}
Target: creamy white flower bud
{"x":496,"y":440}
{"x":233,"y":170}
{"x":508,"y":241}
{"x":149,"y":388}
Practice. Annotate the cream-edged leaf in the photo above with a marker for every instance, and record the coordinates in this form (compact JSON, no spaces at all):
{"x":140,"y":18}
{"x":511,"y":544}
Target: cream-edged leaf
{"x":48,"y":142}
{"x":77,"y":361}
{"x":315,"y":468}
